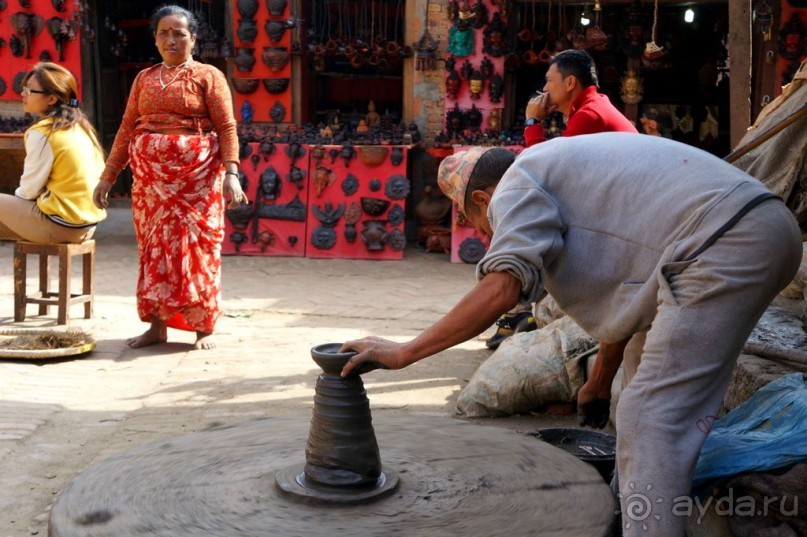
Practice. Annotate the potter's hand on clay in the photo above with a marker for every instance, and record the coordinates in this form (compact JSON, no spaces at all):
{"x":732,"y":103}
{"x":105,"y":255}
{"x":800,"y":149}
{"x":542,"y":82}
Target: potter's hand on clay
{"x":371,"y":353}
{"x":539,"y":107}
{"x":593,"y":409}
{"x":233,"y":191}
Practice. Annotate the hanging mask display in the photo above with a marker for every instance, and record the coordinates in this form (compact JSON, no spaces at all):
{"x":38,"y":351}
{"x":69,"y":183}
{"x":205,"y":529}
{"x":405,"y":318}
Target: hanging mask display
{"x":494,"y":37}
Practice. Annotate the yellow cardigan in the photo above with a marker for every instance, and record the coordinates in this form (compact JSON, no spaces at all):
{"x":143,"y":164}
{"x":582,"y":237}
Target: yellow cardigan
{"x":61,"y":171}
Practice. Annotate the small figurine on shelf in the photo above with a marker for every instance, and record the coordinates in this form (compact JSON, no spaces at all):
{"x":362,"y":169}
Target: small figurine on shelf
{"x":495,"y":121}
{"x":631,"y":88}
{"x":247,"y":112}
{"x":372,"y":118}
{"x":413,"y":130}
{"x":336,"y":124}
{"x":325,"y":131}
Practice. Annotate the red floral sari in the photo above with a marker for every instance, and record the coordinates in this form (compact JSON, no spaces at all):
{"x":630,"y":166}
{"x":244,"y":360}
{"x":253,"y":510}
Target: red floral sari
{"x":178,"y":212}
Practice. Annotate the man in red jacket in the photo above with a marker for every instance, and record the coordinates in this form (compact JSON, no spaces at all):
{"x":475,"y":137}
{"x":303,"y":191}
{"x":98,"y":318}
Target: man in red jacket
{"x":571,"y":88}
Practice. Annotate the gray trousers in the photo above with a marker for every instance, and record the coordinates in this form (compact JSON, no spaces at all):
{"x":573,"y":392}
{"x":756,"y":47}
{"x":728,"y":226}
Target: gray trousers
{"x":21,"y":220}
{"x":678,"y":375}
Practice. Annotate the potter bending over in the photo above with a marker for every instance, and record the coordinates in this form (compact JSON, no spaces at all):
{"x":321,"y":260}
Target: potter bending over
{"x":672,"y":282}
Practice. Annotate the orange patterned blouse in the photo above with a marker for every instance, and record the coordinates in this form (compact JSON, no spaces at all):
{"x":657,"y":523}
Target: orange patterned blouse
{"x":198,"y":99}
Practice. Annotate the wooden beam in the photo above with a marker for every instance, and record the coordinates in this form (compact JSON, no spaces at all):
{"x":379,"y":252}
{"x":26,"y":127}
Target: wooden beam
{"x":740,"y":70}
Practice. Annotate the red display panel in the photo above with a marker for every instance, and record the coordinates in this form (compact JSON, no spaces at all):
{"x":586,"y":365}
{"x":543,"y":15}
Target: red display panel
{"x":269,"y":72}
{"x":370,"y":188}
{"x":273,"y":224}
{"x":40,"y":15}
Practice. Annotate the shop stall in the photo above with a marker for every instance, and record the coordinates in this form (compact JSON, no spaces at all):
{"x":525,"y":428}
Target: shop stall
{"x":341,"y":80}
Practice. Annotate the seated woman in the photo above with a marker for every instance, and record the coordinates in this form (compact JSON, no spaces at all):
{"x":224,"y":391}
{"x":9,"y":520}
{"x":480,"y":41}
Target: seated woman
{"x":63,"y":161}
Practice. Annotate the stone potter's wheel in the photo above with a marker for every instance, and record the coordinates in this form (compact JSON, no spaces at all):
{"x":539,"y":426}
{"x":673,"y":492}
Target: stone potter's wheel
{"x":455,"y":479}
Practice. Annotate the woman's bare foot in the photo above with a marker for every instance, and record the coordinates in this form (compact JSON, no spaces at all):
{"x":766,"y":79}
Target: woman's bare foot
{"x":157,"y":333}
{"x":204,"y":340}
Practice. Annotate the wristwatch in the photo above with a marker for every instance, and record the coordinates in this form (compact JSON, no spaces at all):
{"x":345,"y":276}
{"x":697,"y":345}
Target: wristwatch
{"x":530,"y":121}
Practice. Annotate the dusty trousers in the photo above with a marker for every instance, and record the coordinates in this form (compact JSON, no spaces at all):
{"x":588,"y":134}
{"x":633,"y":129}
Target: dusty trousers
{"x":707,"y":307}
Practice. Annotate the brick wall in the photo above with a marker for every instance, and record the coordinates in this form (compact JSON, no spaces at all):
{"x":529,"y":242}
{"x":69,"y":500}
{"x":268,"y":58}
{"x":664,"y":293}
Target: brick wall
{"x":429,"y":86}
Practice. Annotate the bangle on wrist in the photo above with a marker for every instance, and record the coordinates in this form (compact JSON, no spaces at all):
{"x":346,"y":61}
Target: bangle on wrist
{"x":230,"y":172}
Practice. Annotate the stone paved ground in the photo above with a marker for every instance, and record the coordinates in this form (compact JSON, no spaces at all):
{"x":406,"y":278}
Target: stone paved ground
{"x":57,"y":417}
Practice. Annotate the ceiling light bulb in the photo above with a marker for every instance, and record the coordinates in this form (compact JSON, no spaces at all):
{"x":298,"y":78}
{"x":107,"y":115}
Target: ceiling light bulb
{"x":689,"y":15}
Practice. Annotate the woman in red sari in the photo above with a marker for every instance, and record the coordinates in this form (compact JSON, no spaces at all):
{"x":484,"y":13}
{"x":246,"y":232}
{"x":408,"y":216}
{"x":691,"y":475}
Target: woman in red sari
{"x":178,"y":134}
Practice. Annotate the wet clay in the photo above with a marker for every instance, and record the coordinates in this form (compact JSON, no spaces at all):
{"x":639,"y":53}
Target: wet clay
{"x":342,"y":461}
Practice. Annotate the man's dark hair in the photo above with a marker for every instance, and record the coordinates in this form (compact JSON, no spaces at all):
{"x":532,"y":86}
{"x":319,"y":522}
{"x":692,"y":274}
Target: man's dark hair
{"x":166,"y":11}
{"x":578,"y":63}
{"x":488,"y":172}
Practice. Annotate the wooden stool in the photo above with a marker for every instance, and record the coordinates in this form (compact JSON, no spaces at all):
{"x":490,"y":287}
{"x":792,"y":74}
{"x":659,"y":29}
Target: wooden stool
{"x":63,"y":299}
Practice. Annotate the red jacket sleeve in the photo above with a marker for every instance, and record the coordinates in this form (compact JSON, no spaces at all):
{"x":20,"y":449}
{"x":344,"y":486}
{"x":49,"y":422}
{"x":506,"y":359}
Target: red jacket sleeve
{"x":534,"y":134}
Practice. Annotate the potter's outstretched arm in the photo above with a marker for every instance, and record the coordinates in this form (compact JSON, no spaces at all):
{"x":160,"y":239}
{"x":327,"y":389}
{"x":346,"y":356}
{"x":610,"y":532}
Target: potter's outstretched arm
{"x":492,"y":296}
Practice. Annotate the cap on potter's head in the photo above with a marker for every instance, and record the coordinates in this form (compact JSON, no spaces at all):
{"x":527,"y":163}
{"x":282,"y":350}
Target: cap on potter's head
{"x":455,"y":172}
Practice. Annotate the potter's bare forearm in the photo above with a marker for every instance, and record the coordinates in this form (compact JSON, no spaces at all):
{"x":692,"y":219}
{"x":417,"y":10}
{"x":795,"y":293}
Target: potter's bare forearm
{"x":609,"y":358}
{"x":494,"y":295}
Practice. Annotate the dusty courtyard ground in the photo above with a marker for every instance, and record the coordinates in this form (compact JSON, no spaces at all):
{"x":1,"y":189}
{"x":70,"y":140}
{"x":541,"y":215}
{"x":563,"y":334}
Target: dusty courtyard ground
{"x":58,"y":417}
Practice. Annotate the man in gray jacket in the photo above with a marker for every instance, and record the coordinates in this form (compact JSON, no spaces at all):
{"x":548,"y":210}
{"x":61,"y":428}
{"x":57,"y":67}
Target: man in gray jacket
{"x":633,"y":236}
